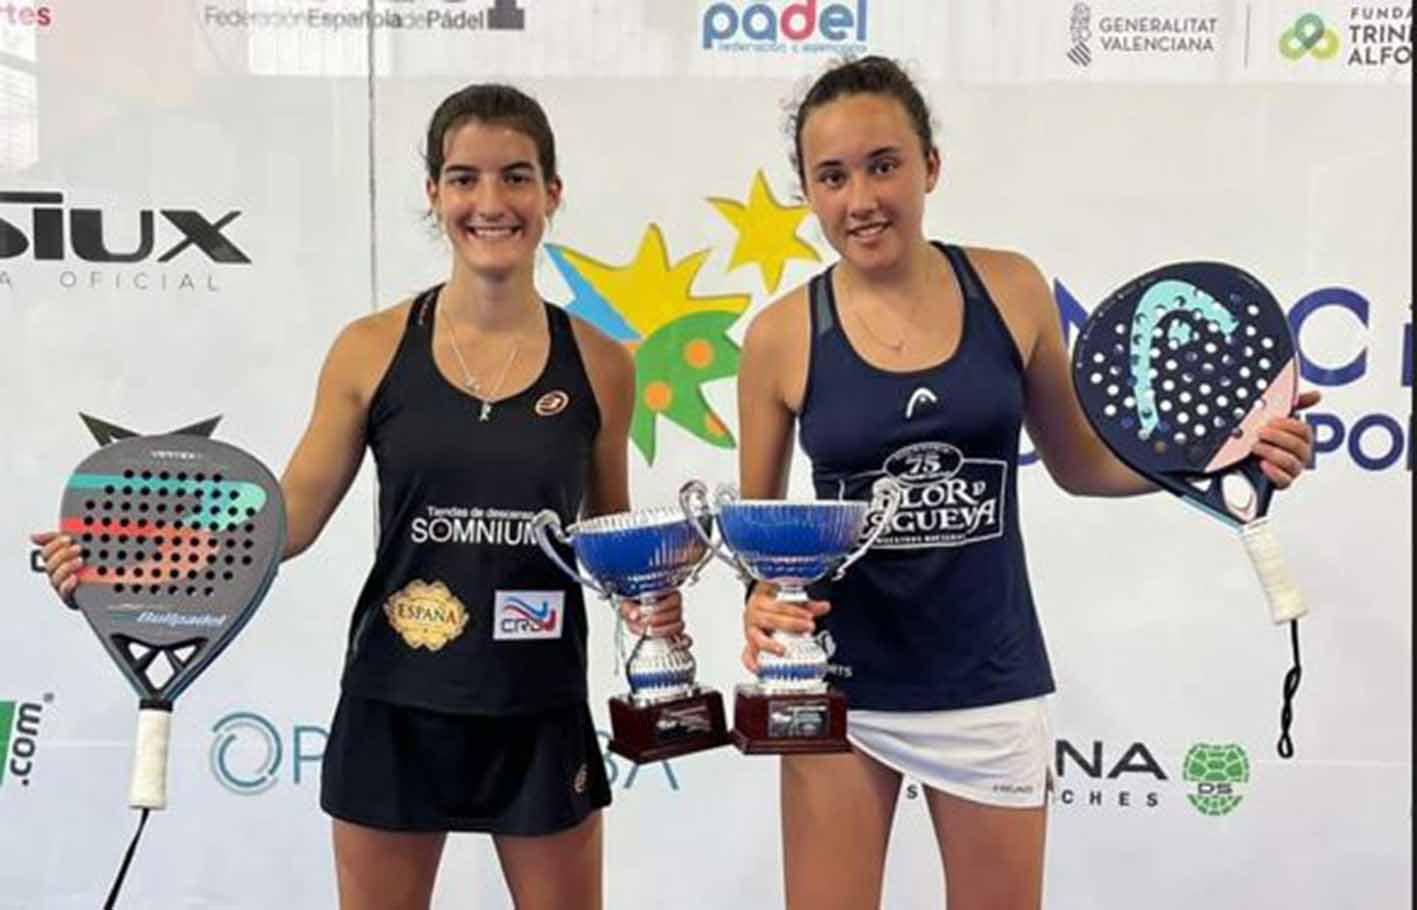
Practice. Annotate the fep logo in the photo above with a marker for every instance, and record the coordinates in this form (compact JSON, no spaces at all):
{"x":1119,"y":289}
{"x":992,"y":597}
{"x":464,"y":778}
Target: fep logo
{"x":1309,"y":36}
{"x":56,"y":230}
{"x":248,"y":752}
{"x":522,"y":615}
{"x":1217,"y":772}
{"x":803,"y":26}
{"x":19,"y":738}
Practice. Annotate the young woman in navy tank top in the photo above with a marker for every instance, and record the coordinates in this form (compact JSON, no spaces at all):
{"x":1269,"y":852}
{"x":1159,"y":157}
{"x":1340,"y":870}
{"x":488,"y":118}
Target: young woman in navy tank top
{"x":923,"y":359}
{"x":463,"y":704}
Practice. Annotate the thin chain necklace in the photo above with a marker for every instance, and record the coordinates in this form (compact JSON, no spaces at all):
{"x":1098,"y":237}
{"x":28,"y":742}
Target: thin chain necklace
{"x":470,"y":382}
{"x":894,"y":347}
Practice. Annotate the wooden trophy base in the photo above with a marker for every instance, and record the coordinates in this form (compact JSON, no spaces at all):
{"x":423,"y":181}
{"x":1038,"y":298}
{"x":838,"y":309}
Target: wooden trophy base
{"x":788,"y":724}
{"x":646,"y":733}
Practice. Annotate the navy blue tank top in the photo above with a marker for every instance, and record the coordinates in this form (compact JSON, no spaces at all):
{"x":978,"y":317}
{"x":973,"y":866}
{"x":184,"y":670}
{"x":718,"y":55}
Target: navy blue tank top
{"x":462,"y":612}
{"x":939,"y":614}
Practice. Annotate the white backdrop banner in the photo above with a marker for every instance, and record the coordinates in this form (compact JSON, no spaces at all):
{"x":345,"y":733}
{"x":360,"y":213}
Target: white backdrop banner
{"x":195,"y":197}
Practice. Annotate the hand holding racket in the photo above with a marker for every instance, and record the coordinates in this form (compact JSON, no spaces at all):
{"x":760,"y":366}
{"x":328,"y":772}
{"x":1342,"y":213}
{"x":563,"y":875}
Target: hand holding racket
{"x":178,"y":539}
{"x":1178,"y":372}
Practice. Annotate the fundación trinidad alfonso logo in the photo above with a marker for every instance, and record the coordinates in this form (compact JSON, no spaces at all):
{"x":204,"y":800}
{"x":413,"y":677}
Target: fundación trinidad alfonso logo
{"x":1309,"y":36}
{"x":679,"y":339}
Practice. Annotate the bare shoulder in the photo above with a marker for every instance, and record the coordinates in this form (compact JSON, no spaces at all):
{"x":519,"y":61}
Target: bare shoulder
{"x":607,"y":361}
{"x":364,"y":348}
{"x":1020,"y":292}
{"x":781,"y":325}
{"x":776,"y":349}
{"x":1006,"y":272}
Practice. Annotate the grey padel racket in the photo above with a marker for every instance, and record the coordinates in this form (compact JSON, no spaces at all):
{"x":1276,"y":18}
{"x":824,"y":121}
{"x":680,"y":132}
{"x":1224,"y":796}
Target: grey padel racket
{"x":181,"y":537}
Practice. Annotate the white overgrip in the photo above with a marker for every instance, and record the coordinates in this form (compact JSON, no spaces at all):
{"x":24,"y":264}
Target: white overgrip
{"x":148,"y":789}
{"x":1285,"y":601}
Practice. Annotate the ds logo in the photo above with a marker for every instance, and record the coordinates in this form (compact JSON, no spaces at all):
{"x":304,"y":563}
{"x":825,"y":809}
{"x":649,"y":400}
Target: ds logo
{"x":87,"y":239}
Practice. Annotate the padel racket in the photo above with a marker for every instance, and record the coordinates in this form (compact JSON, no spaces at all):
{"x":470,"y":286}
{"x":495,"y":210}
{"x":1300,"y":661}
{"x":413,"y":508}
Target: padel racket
{"x":180,"y":537}
{"x":1177,"y":372}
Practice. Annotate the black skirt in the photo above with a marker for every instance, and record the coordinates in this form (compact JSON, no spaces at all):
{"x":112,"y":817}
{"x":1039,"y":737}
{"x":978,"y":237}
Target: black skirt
{"x":408,"y":769}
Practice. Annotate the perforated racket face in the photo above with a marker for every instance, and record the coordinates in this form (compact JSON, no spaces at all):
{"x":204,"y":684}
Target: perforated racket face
{"x":1178,"y":370}
{"x":181,"y":536}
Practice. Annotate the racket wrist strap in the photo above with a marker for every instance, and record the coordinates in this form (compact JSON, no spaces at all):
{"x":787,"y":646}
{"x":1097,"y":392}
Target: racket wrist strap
{"x":148,"y":788}
{"x":1285,"y":602}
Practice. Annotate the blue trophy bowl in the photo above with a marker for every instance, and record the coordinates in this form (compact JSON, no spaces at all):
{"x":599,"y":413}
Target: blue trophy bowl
{"x":791,"y":543}
{"x":649,"y":551}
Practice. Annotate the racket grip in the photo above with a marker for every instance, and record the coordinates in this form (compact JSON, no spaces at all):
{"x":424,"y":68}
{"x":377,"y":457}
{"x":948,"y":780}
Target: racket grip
{"x":1285,"y":601}
{"x":148,"y":788}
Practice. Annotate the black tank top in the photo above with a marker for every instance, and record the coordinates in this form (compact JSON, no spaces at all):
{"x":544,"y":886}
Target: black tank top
{"x":462,"y":612}
{"x":939,"y":615}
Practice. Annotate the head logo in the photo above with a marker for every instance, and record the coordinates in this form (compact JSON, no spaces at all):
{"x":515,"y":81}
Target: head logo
{"x":19,"y":738}
{"x":919,"y":398}
{"x":830,"y":29}
{"x":1216,"y":770}
{"x":1080,"y":27}
{"x":528,"y":614}
{"x":257,"y":738}
{"x":1309,"y":35}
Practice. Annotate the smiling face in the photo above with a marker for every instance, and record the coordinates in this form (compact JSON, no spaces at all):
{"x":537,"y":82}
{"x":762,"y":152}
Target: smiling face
{"x":866,"y":178}
{"x":491,"y":197}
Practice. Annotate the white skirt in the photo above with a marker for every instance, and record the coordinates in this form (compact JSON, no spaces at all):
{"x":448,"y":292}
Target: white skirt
{"x":998,"y":755}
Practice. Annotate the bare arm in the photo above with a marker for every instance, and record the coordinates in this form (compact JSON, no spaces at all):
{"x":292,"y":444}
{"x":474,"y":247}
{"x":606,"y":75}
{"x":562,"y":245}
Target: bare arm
{"x":1073,"y":454}
{"x":772,"y":378}
{"x":326,"y":459}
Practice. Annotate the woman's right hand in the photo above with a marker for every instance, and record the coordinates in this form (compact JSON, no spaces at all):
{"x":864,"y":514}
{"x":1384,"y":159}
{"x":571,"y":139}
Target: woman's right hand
{"x":62,"y":561}
{"x":764,"y":612}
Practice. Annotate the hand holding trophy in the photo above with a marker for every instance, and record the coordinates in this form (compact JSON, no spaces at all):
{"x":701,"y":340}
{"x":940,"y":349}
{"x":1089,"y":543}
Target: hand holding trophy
{"x":791,"y":545}
{"x":645,"y":555}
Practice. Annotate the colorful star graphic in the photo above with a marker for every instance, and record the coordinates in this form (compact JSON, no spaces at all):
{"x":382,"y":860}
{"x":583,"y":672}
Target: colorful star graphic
{"x":649,"y":292}
{"x":767,"y":232}
{"x":679,"y":340}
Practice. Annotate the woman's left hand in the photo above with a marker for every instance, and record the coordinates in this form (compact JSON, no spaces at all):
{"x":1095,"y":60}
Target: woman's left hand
{"x":666,"y":621}
{"x":1285,"y":445}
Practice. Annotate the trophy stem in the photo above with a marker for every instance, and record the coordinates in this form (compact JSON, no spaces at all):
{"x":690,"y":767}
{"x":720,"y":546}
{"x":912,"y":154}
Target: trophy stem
{"x":803,"y":668}
{"x":658,"y":669}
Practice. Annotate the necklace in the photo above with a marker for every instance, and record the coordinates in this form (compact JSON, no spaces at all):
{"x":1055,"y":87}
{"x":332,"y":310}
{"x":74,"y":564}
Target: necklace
{"x":470,"y":382}
{"x":895,"y":347}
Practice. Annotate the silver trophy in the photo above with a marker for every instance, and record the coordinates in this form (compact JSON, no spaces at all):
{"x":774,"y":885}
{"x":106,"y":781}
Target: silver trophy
{"x":791,"y":545}
{"x":644,"y":555}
